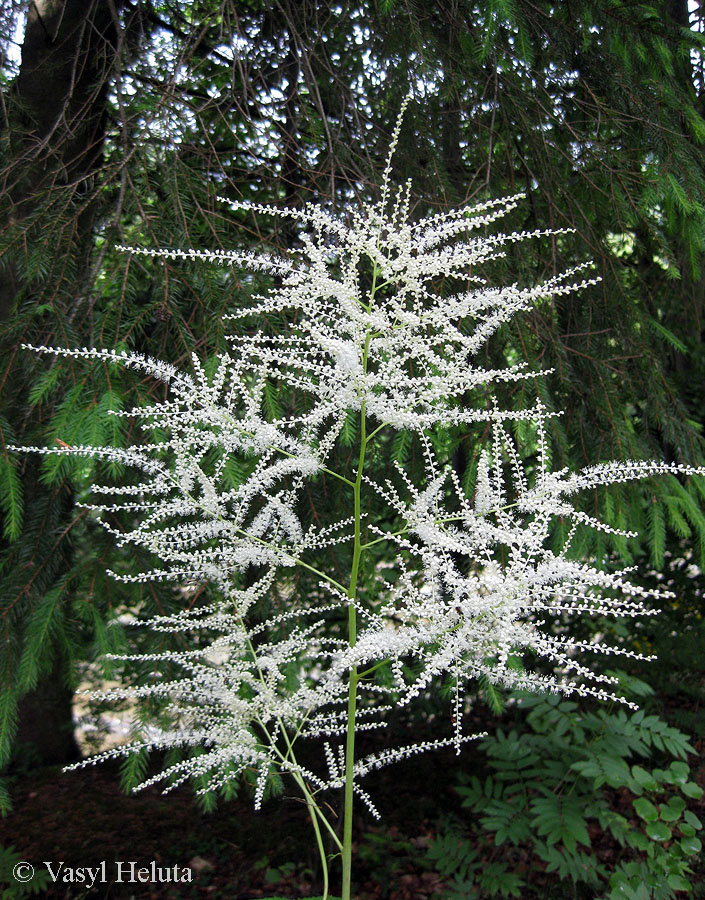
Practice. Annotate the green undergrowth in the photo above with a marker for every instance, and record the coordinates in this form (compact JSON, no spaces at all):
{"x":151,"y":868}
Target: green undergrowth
{"x":12,"y":884}
{"x":603,"y":798}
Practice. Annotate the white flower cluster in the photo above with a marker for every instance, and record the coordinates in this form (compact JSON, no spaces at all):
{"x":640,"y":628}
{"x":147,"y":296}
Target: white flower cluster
{"x":486,"y":579}
{"x":389,"y":337}
{"x":478,"y":584}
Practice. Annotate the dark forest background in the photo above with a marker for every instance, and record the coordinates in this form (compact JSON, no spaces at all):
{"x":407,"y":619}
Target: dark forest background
{"x":121,"y":121}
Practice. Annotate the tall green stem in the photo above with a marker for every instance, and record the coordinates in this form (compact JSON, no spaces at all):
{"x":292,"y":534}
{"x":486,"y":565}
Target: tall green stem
{"x":352,"y":639}
{"x":352,"y":687}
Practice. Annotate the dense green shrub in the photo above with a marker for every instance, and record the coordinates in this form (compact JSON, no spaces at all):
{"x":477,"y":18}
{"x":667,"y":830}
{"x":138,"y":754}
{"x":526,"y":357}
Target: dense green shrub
{"x":566,"y":793}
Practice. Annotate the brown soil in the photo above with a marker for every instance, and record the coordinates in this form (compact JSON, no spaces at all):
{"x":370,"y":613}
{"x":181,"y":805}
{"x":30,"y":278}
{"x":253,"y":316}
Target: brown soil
{"x":82,"y":818}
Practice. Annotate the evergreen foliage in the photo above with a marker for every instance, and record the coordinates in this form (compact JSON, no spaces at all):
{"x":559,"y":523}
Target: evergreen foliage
{"x":594,"y":109}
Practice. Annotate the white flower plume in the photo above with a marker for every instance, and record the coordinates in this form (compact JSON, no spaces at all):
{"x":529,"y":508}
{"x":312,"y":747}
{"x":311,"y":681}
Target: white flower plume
{"x":372,"y":332}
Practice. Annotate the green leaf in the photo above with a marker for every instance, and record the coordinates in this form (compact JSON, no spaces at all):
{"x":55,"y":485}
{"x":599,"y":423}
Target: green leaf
{"x":679,"y":883}
{"x":677,"y":804}
{"x":8,"y":722}
{"x":692,"y":819}
{"x":644,"y":778}
{"x":11,"y":497}
{"x":697,"y":125}
{"x":667,"y":335}
{"x":656,"y":534}
{"x":271,"y":401}
{"x":133,"y":769}
{"x":679,"y":195}
{"x":691,"y":845}
{"x":44,"y":385}
{"x":658,"y":831}
{"x":669,"y":814}
{"x":40,"y":630}
{"x":349,"y":431}
{"x":692,"y":790}
{"x":492,"y":695}
{"x":639,"y":840}
{"x":680,"y":771}
{"x":645,"y":809}
{"x":400,"y":445}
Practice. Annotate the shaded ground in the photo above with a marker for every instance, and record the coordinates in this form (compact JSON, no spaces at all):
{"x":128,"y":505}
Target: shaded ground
{"x":82,"y":818}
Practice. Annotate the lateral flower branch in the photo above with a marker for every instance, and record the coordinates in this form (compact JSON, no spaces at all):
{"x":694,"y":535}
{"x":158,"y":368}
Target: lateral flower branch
{"x":478,"y":581}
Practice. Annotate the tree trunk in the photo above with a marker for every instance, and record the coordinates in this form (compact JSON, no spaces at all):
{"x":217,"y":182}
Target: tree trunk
{"x":55,"y":130}
{"x":45,"y":734}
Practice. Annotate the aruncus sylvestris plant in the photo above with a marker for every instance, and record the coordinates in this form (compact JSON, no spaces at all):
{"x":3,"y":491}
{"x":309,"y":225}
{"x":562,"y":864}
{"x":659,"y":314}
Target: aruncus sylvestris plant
{"x":475,"y":583}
